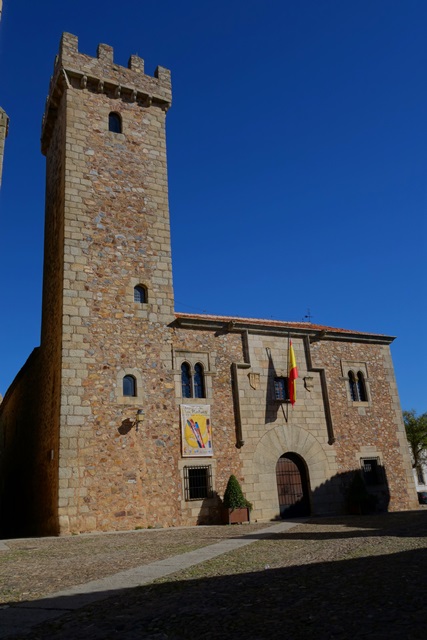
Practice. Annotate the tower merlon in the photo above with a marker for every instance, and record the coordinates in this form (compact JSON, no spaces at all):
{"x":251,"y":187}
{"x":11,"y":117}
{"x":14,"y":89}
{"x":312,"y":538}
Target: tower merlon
{"x":74,"y":70}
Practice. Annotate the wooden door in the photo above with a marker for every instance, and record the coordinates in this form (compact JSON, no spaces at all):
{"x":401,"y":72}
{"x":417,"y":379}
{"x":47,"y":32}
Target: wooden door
{"x":292,"y":486}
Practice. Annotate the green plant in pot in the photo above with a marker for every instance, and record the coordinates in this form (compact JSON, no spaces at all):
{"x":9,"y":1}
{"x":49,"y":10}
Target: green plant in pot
{"x":236,"y":508}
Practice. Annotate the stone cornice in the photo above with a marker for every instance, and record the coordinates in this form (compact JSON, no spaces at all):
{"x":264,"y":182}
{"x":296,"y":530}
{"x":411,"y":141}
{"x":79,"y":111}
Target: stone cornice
{"x":276,"y":328}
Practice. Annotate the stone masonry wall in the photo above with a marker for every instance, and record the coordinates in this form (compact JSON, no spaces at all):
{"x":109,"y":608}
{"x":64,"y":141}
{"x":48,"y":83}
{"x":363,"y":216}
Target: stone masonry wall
{"x":373,"y":428}
{"x":116,"y":235}
{"x":28,"y":470}
{"x":223,"y":349}
{"x":271,"y":429}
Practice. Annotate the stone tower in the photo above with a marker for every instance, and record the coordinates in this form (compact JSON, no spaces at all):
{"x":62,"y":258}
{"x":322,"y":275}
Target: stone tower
{"x":107,"y":233}
{"x":4,"y":124}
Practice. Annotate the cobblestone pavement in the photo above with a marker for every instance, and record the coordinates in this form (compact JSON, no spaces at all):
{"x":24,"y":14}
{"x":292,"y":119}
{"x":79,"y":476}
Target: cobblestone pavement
{"x":337,"y":578}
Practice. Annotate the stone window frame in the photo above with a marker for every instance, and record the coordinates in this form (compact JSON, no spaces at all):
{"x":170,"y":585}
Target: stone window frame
{"x":131,"y":380}
{"x":207,"y":468}
{"x":141,"y":309}
{"x":129,"y":400}
{"x":370,"y":452}
{"x":197,"y":462}
{"x":192,"y":358}
{"x":380,"y":476}
{"x":355,"y":366}
{"x":111,"y":136}
{"x":193,"y":378}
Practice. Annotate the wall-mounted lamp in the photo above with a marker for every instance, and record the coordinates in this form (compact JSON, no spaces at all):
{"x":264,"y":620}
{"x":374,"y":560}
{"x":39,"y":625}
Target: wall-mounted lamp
{"x":139,"y":418}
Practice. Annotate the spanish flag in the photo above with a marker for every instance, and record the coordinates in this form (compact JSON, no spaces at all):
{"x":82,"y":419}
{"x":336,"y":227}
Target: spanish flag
{"x":292,"y":375}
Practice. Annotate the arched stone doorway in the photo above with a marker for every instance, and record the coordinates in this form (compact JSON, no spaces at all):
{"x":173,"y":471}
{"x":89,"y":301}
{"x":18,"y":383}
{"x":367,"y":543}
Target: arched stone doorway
{"x":292,"y":486}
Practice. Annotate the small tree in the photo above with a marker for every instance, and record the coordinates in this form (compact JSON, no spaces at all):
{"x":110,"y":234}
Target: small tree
{"x":416,"y":433}
{"x":233,"y":496}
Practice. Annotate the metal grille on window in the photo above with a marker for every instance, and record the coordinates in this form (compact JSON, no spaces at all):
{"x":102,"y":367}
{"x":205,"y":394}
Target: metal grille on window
{"x":373,"y":473}
{"x":198,"y":482}
{"x":281,"y":389}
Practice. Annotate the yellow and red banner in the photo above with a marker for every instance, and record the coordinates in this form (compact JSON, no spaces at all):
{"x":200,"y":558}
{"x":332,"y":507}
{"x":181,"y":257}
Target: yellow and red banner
{"x":293,"y":374}
{"x":196,"y":430}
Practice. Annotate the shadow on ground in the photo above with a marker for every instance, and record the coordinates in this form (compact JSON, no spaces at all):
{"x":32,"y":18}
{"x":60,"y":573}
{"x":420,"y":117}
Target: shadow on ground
{"x":379,"y":596}
{"x":396,"y":525}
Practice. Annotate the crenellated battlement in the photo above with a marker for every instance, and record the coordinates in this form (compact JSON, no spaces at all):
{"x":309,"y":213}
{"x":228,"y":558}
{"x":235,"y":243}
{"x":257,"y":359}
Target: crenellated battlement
{"x":75,"y":70}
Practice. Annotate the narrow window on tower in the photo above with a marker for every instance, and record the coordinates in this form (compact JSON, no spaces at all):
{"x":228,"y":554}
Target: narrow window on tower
{"x":140,"y":294}
{"x":114,"y":122}
{"x":129,"y":386}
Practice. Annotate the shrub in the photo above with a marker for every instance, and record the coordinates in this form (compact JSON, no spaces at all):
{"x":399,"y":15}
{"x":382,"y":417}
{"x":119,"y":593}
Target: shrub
{"x":233,"y":496}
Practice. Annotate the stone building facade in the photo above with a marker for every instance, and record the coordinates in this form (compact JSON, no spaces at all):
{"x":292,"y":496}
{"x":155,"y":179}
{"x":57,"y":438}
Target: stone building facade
{"x":130,"y":414}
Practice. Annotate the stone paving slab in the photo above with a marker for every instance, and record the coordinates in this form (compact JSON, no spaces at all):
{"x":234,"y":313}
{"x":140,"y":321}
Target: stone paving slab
{"x":20,"y":618}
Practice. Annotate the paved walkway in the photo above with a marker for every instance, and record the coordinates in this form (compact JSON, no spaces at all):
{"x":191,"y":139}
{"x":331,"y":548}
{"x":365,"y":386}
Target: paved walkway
{"x":20,"y":618}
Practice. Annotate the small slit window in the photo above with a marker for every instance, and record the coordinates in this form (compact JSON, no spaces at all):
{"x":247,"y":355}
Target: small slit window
{"x":129,"y":386}
{"x":197,"y":482}
{"x":140,"y":294}
{"x":114,"y":122}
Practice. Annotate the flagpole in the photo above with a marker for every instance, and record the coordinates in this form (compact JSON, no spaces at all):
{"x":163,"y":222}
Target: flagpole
{"x":287,"y":375}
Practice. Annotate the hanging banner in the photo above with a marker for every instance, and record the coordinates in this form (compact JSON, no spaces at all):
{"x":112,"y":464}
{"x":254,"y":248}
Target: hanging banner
{"x":196,"y":430}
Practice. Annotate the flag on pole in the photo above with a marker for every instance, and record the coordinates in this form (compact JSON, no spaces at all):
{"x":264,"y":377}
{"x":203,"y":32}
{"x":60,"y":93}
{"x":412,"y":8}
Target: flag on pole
{"x":293,"y":374}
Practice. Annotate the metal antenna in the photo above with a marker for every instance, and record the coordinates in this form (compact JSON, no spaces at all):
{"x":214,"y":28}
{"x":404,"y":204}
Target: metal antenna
{"x":308,"y":316}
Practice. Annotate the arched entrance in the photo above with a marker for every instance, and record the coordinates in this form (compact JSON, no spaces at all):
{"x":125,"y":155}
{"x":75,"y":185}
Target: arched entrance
{"x":292,"y":486}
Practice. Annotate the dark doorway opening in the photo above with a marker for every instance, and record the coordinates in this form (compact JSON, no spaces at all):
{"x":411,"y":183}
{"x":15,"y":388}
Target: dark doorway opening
{"x":292,"y":486}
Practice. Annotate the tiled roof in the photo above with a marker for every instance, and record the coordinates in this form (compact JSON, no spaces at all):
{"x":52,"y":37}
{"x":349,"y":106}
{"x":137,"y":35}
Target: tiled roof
{"x":280,"y":324}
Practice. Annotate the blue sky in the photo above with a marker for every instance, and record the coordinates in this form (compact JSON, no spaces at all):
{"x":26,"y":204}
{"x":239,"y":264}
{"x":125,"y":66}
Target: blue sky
{"x":297,"y":148}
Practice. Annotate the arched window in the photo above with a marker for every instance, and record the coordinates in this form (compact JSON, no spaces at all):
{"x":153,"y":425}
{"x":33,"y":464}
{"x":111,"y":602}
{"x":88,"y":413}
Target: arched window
{"x":114,"y":122}
{"x":129,"y":386}
{"x":353,"y":386}
{"x":361,"y":387}
{"x":186,"y":380}
{"x":199,"y":381}
{"x":140,"y":294}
